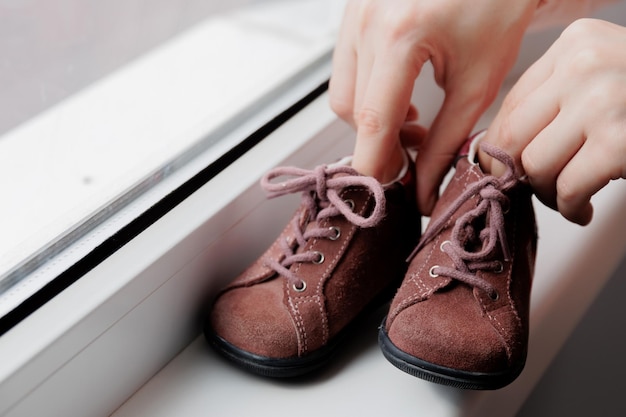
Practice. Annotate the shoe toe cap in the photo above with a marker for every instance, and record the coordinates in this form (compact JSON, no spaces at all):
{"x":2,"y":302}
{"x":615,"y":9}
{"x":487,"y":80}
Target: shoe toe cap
{"x":450,"y":336}
{"x":255,"y":320}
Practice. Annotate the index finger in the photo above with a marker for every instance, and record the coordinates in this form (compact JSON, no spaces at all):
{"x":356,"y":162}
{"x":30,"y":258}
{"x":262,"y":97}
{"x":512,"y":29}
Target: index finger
{"x":451,"y":127}
{"x":527,"y":109}
{"x":384,"y":108}
{"x":344,"y":68}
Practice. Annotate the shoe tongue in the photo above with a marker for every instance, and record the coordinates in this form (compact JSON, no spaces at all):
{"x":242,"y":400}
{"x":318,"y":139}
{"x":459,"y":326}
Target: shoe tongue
{"x":458,"y":183}
{"x":308,"y":222}
{"x":312,"y":224}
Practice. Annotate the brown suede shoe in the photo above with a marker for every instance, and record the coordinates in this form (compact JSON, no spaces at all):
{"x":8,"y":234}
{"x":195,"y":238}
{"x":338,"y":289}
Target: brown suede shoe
{"x":460,"y":317}
{"x":342,"y":254}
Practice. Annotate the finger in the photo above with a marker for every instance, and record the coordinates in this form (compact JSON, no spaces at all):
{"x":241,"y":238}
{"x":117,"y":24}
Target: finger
{"x":519,"y":122}
{"x":596,"y":163}
{"x":509,"y":130}
{"x":549,"y":152}
{"x":450,"y":129}
{"x":384,"y":108}
{"x":365,"y":61}
{"x":584,"y":175}
{"x":343,"y":76}
{"x":412,"y":114}
{"x":535,"y":76}
{"x":531,"y":80}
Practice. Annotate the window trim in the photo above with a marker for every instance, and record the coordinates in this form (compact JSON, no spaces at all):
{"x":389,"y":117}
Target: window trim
{"x":90,"y":328}
{"x":197,"y":120}
{"x":148,"y":217}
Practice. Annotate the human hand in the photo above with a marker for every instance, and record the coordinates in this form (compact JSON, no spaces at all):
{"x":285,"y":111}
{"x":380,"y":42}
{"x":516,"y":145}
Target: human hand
{"x":381,"y":49}
{"x":564,"y":121}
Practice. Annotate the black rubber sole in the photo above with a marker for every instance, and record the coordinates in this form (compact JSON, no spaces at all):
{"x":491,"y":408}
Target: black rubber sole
{"x":293,"y":366}
{"x":440,"y":374}
{"x":272,"y":367}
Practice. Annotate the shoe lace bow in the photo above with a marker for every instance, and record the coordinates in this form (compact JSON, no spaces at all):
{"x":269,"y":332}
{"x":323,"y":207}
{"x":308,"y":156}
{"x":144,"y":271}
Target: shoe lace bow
{"x":492,"y":205}
{"x":321,"y":190}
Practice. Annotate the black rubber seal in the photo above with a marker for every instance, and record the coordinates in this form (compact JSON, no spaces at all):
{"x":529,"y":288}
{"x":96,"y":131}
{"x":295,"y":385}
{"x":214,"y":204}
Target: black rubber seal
{"x":150,"y":216}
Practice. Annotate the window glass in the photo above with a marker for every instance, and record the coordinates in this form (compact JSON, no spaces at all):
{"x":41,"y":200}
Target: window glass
{"x":102,"y":101}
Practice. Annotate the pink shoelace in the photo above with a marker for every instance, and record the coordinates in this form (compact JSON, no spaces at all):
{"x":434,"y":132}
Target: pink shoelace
{"x":321,"y":189}
{"x":492,"y":199}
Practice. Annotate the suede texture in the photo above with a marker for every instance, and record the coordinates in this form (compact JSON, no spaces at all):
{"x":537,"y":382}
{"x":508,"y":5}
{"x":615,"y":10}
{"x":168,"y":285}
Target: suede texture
{"x":260,"y":312}
{"x":451,"y":324}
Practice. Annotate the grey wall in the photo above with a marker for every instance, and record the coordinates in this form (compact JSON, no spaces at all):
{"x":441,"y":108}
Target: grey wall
{"x":587,"y":376}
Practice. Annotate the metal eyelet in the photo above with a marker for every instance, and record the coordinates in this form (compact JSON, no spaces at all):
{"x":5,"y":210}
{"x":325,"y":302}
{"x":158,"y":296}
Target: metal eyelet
{"x":499,"y":267}
{"x":494,"y":296}
{"x":445,"y":242}
{"x":299,"y":287}
{"x":350,"y":203}
{"x":320,"y":258}
{"x":431,"y":271}
{"x":336,"y":231}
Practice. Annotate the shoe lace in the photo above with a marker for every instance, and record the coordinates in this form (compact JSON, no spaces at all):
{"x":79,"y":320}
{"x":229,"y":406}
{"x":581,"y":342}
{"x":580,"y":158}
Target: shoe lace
{"x":492,"y":199}
{"x":321,"y":190}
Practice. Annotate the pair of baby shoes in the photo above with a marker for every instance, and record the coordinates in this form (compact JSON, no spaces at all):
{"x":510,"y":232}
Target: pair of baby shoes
{"x":460,"y":312}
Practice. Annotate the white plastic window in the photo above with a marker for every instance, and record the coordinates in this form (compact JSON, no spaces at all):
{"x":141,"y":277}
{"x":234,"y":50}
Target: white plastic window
{"x":109,"y":106}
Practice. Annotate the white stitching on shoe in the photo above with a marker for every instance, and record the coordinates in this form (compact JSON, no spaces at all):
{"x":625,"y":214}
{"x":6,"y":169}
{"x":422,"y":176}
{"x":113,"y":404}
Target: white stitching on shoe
{"x":510,"y":278}
{"x":297,"y":317}
{"x":506,"y":337}
{"x":490,"y":191}
{"x":320,"y":190}
{"x":297,"y":301}
{"x":510,"y":307}
{"x":427,"y":288}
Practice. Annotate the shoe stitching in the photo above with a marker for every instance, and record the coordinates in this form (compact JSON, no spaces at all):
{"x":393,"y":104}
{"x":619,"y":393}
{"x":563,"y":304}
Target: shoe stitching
{"x":295,"y":314}
{"x":415,"y":296}
{"x":320,"y":190}
{"x":417,"y":276}
{"x":510,"y":278}
{"x":295,"y":302}
{"x":332,"y":265}
{"x":506,"y":337}
{"x":429,"y":289}
{"x":339,"y":253}
{"x":434,"y":235}
{"x":490,"y":192}
{"x":510,"y":308}
{"x":301,"y":301}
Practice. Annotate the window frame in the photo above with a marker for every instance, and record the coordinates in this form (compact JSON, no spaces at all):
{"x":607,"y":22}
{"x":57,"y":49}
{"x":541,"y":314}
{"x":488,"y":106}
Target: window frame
{"x":131,"y":313}
{"x":212,"y":141}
